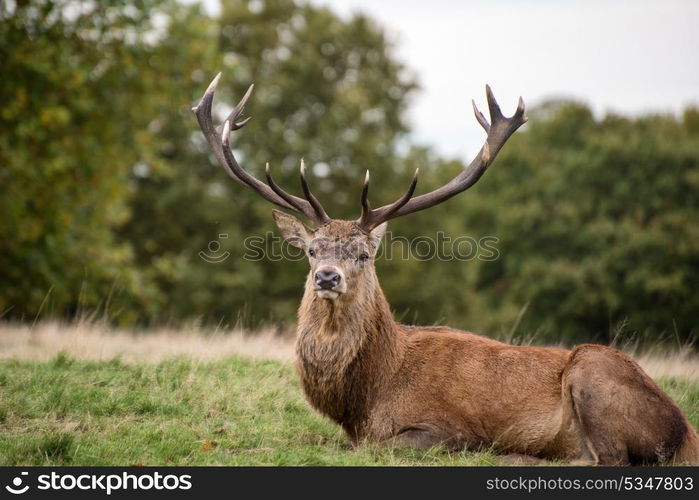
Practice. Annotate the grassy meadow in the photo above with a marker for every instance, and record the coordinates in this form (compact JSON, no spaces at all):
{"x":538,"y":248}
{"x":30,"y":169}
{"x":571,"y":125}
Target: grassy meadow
{"x":84,"y":396}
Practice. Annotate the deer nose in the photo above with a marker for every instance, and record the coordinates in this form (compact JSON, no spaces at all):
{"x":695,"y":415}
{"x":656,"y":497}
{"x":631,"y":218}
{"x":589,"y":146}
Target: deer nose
{"x":327,"y":279}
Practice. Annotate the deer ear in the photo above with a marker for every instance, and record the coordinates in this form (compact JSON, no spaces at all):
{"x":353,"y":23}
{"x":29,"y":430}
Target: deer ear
{"x":376,"y":234}
{"x":294,"y":231}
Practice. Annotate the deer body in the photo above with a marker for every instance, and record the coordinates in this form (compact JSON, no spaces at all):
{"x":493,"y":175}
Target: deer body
{"x":421,"y":387}
{"x":369,"y":374}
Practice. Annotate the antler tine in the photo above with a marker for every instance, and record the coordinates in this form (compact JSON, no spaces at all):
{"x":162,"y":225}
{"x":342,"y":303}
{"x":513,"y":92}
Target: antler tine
{"x":493,"y":106}
{"x":498,"y":130}
{"x":283,"y":194}
{"x":241,"y":124}
{"x":238,"y":110}
{"x":315,"y":204}
{"x":479,"y":116}
{"x":400,"y":202}
{"x":372,"y":218}
{"x":519,"y":112}
{"x":218,"y":139}
{"x":364,"y":200}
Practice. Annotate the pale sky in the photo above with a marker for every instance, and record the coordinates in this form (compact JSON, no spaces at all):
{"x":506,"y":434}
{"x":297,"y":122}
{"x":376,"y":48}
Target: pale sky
{"x":629,"y":56}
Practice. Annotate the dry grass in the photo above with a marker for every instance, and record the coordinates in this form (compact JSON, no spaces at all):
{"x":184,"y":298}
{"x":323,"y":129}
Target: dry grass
{"x":683,"y":363}
{"x":93,"y":341}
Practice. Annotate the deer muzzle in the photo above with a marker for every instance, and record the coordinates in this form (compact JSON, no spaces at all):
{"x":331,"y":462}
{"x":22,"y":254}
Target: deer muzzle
{"x":328,"y":282}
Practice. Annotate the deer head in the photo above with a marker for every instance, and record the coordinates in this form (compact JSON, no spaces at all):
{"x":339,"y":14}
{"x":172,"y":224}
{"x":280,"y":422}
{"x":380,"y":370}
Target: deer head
{"x":340,"y":252}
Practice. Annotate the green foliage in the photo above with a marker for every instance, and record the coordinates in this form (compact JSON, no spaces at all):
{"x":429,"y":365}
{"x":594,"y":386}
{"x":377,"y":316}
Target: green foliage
{"x":597,"y":222}
{"x":72,"y":74}
{"x":109,"y":192}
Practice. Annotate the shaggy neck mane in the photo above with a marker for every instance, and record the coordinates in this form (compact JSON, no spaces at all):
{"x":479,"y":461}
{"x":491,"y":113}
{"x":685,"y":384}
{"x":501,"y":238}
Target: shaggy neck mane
{"x":347,"y":349}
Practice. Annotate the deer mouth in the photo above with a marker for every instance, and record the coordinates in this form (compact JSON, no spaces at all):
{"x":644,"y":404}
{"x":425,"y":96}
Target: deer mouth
{"x":327,"y":294}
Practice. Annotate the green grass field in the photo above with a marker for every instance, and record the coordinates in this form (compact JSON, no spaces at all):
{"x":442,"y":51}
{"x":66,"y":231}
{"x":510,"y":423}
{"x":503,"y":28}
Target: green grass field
{"x":234,"y":411}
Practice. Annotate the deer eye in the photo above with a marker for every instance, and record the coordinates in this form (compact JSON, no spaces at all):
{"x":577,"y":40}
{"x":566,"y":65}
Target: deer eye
{"x":363,"y":257}
{"x":311,"y":252}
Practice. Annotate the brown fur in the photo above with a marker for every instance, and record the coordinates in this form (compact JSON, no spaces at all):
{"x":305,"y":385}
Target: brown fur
{"x":421,"y":387}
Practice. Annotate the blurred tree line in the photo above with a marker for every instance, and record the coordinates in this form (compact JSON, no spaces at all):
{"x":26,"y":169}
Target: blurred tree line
{"x":109,"y":192}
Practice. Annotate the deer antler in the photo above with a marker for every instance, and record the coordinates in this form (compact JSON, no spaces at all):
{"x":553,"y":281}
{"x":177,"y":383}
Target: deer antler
{"x":218,"y":139}
{"x":499,"y":131}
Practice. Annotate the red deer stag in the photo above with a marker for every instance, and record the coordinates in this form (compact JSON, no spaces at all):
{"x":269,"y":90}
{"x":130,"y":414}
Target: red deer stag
{"x":426,"y":386}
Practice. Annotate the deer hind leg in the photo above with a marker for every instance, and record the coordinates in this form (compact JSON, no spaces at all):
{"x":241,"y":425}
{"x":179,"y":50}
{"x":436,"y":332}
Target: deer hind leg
{"x":423,"y":436}
{"x":621,"y":416}
{"x":417,"y":438}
